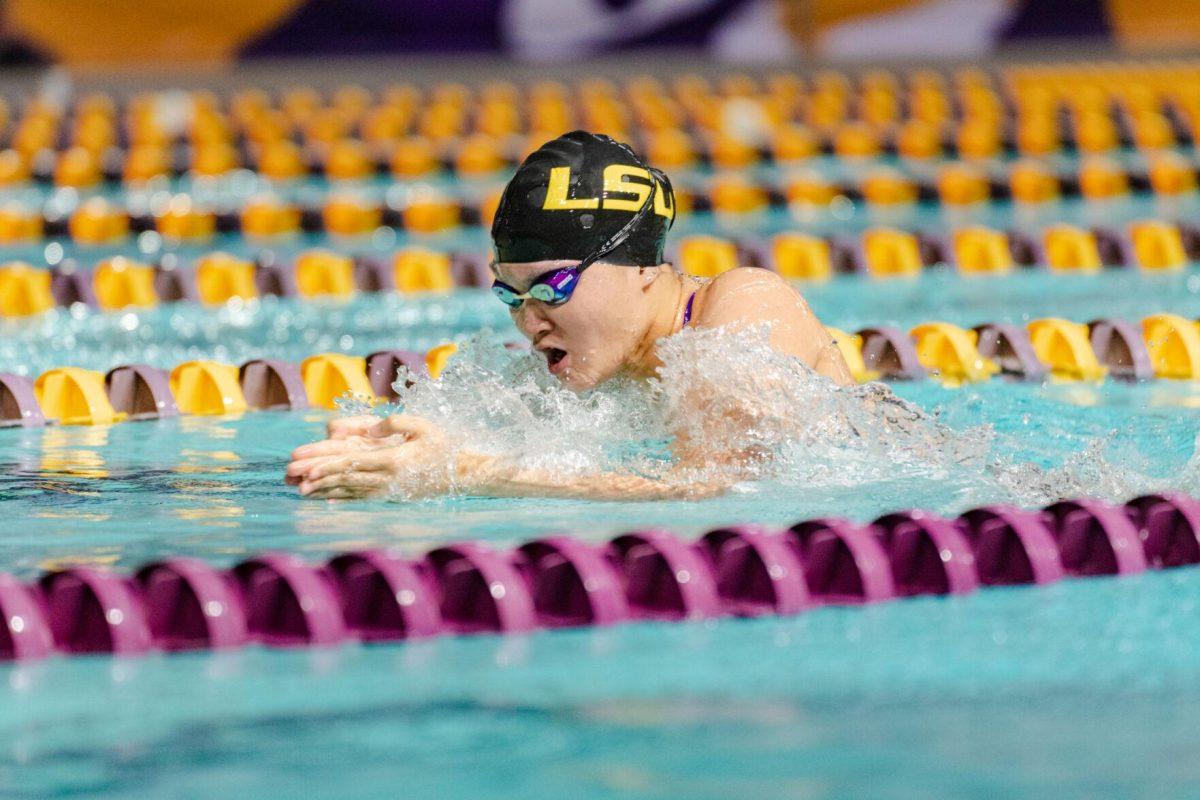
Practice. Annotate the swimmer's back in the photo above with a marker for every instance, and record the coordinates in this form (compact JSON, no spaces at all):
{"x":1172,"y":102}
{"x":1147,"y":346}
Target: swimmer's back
{"x":748,"y":295}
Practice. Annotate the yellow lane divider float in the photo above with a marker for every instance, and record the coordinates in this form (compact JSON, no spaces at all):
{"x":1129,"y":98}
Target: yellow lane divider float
{"x":207,"y":388}
{"x":74,"y":396}
{"x":1066,"y":349}
{"x":850,"y":345}
{"x":329,"y":376}
{"x":218,"y":277}
{"x":1167,"y":346}
{"x":24,"y":291}
{"x":221,"y":277}
{"x":1174,"y":345}
{"x":950,"y":353}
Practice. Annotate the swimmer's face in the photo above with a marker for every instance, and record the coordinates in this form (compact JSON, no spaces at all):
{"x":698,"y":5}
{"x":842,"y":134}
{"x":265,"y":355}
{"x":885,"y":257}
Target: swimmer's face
{"x":588,"y":339}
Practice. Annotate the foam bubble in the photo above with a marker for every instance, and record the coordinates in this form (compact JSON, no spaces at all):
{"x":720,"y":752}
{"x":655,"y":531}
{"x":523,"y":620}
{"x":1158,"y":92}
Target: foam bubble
{"x":743,"y":415}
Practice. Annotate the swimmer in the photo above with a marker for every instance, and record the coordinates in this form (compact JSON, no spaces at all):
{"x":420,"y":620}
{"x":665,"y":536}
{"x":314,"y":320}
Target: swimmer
{"x":578,"y":239}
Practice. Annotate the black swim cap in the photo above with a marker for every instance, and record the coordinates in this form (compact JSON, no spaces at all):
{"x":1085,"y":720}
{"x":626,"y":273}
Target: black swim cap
{"x":584,"y":197}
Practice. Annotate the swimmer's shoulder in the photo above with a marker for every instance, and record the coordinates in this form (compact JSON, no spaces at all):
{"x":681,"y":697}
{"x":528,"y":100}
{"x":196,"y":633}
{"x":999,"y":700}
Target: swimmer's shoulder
{"x":744,"y":293}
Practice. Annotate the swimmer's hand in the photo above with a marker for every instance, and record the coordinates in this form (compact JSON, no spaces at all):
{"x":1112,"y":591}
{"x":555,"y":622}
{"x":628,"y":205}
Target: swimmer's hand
{"x":366,"y":456}
{"x":409,"y":457}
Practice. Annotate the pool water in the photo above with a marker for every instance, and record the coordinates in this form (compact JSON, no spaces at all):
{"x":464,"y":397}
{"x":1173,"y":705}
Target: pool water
{"x":1081,"y":689}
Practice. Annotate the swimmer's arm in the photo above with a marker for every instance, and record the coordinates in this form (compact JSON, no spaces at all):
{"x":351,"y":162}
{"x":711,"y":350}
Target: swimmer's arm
{"x":749,"y":296}
{"x":408,"y":457}
{"x":490,"y":476}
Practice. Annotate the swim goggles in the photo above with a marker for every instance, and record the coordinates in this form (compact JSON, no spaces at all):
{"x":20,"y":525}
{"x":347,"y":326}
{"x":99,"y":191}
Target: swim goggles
{"x":556,"y":286}
{"x":552,"y":288}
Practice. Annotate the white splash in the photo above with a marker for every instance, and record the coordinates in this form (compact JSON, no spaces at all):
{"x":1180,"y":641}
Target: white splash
{"x":752,"y":417}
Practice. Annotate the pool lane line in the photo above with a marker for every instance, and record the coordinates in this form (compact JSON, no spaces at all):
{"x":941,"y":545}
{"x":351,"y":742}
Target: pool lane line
{"x":651,"y":575}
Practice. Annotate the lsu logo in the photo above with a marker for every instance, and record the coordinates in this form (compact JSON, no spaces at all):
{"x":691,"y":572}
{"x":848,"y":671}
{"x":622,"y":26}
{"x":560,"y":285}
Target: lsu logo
{"x":616,"y":182}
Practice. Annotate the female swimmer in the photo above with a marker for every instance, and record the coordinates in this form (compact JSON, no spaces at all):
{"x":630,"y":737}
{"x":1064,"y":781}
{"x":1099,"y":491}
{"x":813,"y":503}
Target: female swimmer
{"x":578,"y":238}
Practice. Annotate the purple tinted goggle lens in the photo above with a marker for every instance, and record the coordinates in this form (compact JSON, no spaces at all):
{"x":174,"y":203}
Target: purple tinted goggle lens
{"x":552,"y":288}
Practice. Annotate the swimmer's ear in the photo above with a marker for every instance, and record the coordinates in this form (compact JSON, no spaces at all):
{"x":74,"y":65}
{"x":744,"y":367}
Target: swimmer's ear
{"x":648,"y":275}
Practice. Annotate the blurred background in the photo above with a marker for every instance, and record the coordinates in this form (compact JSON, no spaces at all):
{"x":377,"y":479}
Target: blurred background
{"x":136,"y":33}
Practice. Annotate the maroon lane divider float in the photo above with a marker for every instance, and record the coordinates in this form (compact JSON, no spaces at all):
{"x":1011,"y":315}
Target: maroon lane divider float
{"x":276,"y":599}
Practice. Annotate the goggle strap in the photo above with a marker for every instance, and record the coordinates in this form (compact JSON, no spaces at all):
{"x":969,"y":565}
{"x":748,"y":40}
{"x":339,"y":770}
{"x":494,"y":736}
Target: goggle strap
{"x":618,"y":238}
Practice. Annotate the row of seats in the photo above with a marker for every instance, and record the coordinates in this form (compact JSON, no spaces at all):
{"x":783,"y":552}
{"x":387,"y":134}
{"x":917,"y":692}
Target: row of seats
{"x":97,"y":221}
{"x":482,"y":155}
{"x":76,"y":396}
{"x":1163,"y":346}
{"x":1145,"y":100}
{"x":217,"y":278}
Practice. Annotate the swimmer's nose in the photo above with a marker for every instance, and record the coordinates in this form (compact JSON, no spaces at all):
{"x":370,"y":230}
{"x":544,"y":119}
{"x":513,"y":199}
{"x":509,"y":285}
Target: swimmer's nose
{"x":530,"y":322}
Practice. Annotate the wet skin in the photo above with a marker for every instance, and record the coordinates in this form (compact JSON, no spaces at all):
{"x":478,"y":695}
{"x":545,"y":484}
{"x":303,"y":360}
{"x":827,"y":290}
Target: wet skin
{"x":609,"y":327}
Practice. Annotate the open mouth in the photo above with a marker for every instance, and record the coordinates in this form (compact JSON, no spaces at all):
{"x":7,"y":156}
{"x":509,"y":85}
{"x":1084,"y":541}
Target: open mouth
{"x":554,"y":357}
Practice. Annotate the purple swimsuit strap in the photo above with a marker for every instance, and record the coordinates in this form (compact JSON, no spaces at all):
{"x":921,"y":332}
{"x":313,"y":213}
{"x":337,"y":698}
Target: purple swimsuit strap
{"x":687,"y":310}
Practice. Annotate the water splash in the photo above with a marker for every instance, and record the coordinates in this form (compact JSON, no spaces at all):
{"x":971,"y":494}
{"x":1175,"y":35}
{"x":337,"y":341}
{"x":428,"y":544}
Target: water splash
{"x":727,"y":408}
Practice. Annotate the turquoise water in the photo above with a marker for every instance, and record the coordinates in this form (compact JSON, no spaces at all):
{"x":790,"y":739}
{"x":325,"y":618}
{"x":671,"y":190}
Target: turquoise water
{"x":1082,"y":689}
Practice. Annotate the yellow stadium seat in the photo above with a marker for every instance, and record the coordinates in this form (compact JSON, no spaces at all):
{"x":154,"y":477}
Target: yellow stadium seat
{"x":1171,"y":175}
{"x":478,"y":155}
{"x":794,"y":143}
{"x":730,"y":152}
{"x":182,"y":220}
{"x":1095,"y":133}
{"x":1030,"y":182}
{"x":670,"y":149}
{"x":282,"y":161}
{"x":78,"y":168}
{"x":736,"y":195}
{"x":1100,"y":179}
{"x":962,"y":185}
{"x":347,"y":215}
{"x":18,"y":224}
{"x":145,"y":162}
{"x":978,"y":139}
{"x":888,"y":188}
{"x":1038,"y":137}
{"x":431,"y":215}
{"x":265,"y":218}
{"x":856,"y":140}
{"x":814,"y":190}
{"x":97,"y":221}
{"x":348,"y":160}
{"x":14,"y":167}
{"x":919,"y":140}
{"x":217,"y":158}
